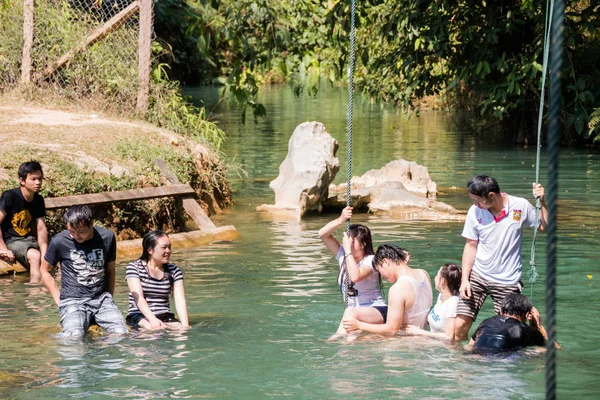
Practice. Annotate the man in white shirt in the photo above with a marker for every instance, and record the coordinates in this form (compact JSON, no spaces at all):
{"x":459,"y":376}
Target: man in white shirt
{"x":491,"y":261}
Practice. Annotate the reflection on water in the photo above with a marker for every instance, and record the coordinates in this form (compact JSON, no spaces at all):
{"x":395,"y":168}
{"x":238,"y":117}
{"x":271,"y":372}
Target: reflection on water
{"x":261,"y":307}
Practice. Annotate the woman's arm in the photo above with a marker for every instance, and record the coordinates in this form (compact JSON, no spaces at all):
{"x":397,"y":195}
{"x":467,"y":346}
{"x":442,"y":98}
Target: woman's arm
{"x":396,"y":305}
{"x":326,"y":232}
{"x":180,"y":303}
{"x":135,"y":287}
{"x":355,"y":272}
{"x":448,"y":334}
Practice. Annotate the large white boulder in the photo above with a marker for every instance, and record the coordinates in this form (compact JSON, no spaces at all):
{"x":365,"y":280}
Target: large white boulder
{"x":305,"y":174}
{"x":401,"y":189}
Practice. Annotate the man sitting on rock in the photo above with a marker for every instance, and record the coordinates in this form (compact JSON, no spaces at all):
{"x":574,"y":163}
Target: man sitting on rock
{"x":22,"y":210}
{"x":87,"y":260}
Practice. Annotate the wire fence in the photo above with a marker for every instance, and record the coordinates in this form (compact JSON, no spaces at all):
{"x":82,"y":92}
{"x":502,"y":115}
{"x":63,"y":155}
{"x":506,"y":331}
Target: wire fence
{"x":82,"y":49}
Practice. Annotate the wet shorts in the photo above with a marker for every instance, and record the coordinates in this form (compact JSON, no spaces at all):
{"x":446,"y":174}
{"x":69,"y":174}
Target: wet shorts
{"x":76,"y":315}
{"x":134,"y":319}
{"x":480,"y":289}
{"x":20,"y":246}
{"x":383,"y":311}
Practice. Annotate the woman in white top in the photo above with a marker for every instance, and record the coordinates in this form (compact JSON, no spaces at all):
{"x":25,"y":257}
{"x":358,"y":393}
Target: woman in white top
{"x":442,"y":316}
{"x":409,"y":298}
{"x":355,"y":255}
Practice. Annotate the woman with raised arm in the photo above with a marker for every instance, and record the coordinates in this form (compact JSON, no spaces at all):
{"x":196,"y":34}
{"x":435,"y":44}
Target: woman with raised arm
{"x":409,"y":297}
{"x":442,"y":316}
{"x":151,"y":280}
{"x":356,"y":255}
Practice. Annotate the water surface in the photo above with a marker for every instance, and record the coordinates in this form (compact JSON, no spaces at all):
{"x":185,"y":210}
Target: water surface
{"x":262,"y":306}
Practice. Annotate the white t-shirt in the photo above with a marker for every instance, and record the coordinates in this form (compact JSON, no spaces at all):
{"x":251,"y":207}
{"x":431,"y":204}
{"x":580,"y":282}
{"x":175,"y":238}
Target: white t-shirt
{"x":442,"y":310}
{"x":498,"y":257}
{"x":369,"y":293}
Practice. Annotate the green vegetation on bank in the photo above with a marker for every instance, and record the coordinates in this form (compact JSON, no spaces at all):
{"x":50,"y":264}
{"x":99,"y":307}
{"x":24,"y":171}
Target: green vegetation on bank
{"x":64,"y":175}
{"x":104,"y":78}
{"x":479,"y":56}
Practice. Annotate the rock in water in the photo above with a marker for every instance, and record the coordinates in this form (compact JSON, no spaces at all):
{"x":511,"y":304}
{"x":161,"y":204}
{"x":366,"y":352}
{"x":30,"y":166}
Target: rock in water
{"x":305,"y":174}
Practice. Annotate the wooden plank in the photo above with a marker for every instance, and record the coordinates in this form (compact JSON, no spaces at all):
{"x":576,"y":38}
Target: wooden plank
{"x":182,"y":240}
{"x":122,"y":195}
{"x":193,"y":209}
{"x":111,"y":25}
{"x":165,"y":171}
{"x":190,"y":205}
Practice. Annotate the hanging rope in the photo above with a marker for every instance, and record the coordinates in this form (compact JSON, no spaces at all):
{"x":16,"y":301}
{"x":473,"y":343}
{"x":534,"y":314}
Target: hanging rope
{"x":558,"y":19}
{"x":348,"y":283}
{"x":538,"y":204}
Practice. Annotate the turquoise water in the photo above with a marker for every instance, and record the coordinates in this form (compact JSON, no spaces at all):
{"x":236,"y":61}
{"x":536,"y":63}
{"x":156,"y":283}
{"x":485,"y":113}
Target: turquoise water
{"x":262,"y":306}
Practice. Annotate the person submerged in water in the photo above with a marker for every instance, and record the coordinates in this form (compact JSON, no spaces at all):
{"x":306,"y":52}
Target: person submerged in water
{"x":509,"y":331}
{"x":355,"y":255}
{"x":442,"y":316}
{"x":409,"y":298}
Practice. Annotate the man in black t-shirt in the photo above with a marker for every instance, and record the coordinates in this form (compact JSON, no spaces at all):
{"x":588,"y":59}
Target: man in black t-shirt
{"x":87,"y":260}
{"x":22,"y":210}
{"x":508,"y":331}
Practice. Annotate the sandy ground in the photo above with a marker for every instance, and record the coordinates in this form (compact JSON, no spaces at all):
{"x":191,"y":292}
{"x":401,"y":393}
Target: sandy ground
{"x":82,"y":137}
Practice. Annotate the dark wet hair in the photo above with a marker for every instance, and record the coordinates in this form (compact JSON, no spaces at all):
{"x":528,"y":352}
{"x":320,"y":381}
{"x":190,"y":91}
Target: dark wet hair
{"x":517,"y":305}
{"x":452,"y":274}
{"x":363,"y":235}
{"x":78,"y":215}
{"x":482,"y":186}
{"x":149,"y":241}
{"x":390,"y":252}
{"x":29,"y":167}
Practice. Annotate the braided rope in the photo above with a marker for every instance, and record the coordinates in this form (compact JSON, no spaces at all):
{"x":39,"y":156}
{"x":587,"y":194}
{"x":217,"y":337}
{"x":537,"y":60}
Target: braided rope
{"x":350,"y":112}
{"x":553,"y":142}
{"x":533,"y":275}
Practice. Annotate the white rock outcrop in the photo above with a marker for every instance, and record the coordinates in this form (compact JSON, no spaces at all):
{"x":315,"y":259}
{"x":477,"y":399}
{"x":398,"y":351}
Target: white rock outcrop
{"x":304,"y":176}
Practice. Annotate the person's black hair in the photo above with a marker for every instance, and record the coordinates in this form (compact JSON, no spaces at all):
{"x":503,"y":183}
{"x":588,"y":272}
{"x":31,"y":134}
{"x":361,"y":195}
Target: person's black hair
{"x":482,"y":186}
{"x":516,"y":305}
{"x":77,"y":216}
{"x":29,"y":167}
{"x":389,"y":252}
{"x":363,"y":235}
{"x":452,"y":274}
{"x":149,"y":241}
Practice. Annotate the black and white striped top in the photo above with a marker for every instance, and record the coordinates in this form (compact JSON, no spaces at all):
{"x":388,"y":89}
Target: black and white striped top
{"x":156,"y":292}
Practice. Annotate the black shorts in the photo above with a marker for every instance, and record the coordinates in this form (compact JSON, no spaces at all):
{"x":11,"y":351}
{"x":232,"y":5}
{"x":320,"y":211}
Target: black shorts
{"x":134,"y":319}
{"x":383,"y":311}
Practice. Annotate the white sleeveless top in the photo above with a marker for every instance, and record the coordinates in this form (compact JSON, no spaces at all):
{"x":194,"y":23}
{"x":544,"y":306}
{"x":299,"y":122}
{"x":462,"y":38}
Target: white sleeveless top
{"x":417,"y":314}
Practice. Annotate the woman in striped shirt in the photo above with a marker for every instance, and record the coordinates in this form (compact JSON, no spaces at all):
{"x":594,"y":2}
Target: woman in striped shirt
{"x":151,"y":280}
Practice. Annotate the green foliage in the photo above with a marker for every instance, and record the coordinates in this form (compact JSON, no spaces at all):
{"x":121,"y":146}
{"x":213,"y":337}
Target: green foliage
{"x":11,"y":36}
{"x":594,"y":125}
{"x":479,"y":55}
{"x":243,"y":44}
{"x":170,"y":109}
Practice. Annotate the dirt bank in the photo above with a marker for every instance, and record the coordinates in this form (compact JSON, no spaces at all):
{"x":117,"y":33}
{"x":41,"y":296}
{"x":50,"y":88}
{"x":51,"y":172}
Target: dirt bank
{"x":87,"y":152}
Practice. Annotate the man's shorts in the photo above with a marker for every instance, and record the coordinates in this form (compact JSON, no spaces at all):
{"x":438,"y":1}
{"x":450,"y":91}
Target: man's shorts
{"x":76,"y":315}
{"x":480,"y":289}
{"x":20,"y":246}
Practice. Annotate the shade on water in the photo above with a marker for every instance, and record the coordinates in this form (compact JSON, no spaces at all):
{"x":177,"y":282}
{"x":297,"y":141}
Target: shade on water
{"x":262,"y":306}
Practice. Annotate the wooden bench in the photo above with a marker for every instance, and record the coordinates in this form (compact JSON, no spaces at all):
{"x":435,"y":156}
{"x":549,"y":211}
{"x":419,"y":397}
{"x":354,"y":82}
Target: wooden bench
{"x":207,"y":231}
